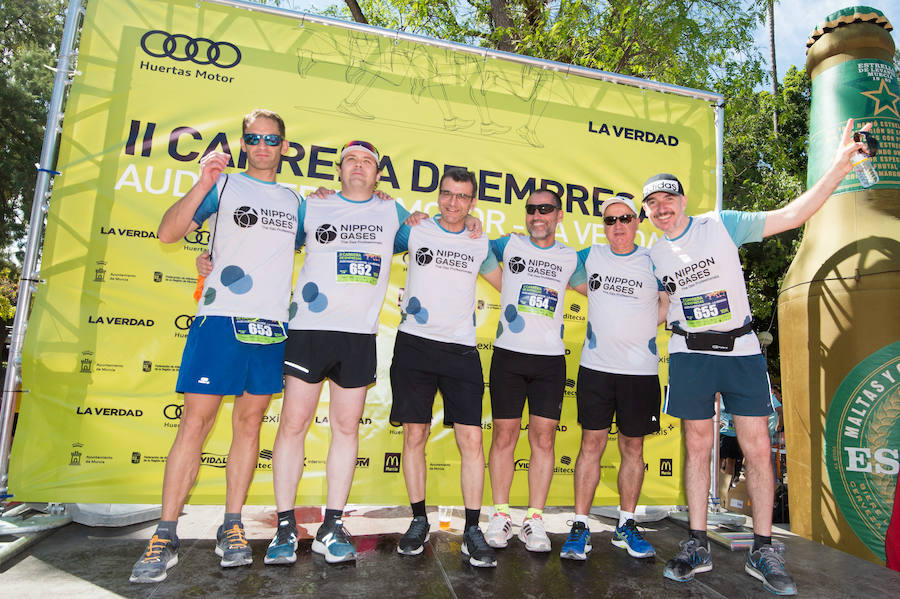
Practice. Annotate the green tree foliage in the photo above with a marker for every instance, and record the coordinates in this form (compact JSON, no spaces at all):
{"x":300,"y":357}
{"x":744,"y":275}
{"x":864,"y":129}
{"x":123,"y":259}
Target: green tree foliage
{"x":30,"y":31}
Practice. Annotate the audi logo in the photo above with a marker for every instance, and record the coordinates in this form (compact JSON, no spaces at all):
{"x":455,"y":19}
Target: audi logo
{"x":199,"y":50}
{"x":173,"y":411}
{"x":183,"y":322}
{"x":197,"y":237}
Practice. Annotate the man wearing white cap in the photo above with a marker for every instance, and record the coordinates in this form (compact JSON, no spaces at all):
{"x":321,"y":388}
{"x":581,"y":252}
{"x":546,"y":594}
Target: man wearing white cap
{"x":618,"y":372}
{"x":712,"y":350}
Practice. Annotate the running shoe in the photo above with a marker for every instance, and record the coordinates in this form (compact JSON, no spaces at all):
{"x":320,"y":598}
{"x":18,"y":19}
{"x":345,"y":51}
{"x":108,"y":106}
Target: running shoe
{"x":534,"y":535}
{"x":413,"y":542}
{"x":283,"y":548}
{"x":692,"y":558}
{"x":232,"y":546}
{"x":332,"y":542}
{"x":499,"y":530}
{"x":161,"y":554}
{"x":629,"y":537}
{"x":578,"y":545}
{"x":767,"y":564}
{"x":477,"y":549}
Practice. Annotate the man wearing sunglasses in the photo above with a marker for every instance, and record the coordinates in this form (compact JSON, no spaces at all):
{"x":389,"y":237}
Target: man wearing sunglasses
{"x":436,"y":350}
{"x":235,"y":344}
{"x":528,"y":364}
{"x":618,"y":373}
{"x":350,"y":239}
{"x":713,"y":349}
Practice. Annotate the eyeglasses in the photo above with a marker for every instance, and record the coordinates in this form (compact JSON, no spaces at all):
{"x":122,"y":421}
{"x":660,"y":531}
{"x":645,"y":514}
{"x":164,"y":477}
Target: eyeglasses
{"x":362,"y":144}
{"x":542,"y":208}
{"x":446,"y":194}
{"x":622,"y":218}
{"x":252,"y":139}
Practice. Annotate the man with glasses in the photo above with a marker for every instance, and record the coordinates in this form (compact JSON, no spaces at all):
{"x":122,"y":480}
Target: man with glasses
{"x":235,"y":344}
{"x":350,"y":238}
{"x":528,"y":363}
{"x":436,"y":350}
{"x":713,"y":349}
{"x":618,"y":375}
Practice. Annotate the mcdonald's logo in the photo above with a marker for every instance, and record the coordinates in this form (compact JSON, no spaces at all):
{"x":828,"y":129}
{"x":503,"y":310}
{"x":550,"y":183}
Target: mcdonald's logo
{"x":392,"y":462}
{"x":665,"y":466}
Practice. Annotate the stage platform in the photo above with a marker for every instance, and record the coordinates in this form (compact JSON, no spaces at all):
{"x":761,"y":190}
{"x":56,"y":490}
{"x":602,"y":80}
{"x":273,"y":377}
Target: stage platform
{"x":80,"y":561}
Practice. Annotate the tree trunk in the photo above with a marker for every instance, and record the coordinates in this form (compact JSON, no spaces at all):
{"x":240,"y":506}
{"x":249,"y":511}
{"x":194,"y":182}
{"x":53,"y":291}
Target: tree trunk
{"x":356,"y":11}
{"x":500,"y":18}
{"x":771,"y":22}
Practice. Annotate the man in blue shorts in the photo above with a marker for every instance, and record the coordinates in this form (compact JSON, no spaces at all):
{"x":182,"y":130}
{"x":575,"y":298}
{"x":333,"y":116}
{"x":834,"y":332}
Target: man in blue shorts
{"x":436,"y":349}
{"x":236,"y":343}
{"x":528,"y":363}
{"x":713,"y":348}
{"x":618,"y":375}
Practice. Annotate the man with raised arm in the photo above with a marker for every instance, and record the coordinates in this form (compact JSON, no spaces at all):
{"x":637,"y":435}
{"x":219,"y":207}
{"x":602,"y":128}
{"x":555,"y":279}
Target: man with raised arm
{"x":713,"y":349}
{"x":236,"y":343}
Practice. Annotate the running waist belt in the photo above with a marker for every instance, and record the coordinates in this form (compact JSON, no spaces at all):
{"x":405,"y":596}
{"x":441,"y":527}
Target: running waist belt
{"x":712,"y":340}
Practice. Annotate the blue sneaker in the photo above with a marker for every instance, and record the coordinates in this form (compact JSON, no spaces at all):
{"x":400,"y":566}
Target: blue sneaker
{"x":283,"y":548}
{"x":692,"y":558}
{"x":767,"y":565}
{"x":331,"y":541}
{"x":161,"y":554}
{"x":232,"y":546}
{"x":629,"y":537}
{"x":578,"y":545}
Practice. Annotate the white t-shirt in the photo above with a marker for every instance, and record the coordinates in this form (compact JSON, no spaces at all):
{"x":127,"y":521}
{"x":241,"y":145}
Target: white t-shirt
{"x":439,"y":298}
{"x":701,"y":271}
{"x":254,"y":226}
{"x":623,"y":306}
{"x":532,"y":296}
{"x":349,"y":247}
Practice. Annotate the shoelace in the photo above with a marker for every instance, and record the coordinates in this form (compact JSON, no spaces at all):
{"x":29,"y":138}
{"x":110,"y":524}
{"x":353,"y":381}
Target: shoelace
{"x":339,"y":533}
{"x":535,"y":526}
{"x":631,"y":530}
{"x":770,"y":560}
{"x":688,"y":550}
{"x":235,"y":536}
{"x":154,"y":549}
{"x":418,"y":527}
{"x":576,"y":534}
{"x":284,"y":535}
{"x":478,"y":541}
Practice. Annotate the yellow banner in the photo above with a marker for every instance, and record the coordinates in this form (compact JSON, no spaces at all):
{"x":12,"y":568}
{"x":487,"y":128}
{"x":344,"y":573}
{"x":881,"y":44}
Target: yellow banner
{"x":162,"y":83}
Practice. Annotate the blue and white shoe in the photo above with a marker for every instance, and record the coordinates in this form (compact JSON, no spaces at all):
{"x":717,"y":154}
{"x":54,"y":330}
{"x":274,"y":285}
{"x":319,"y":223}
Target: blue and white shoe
{"x":692,"y":559}
{"x":332,"y":542}
{"x":283,"y":548}
{"x":629,"y":537}
{"x":578,"y":545}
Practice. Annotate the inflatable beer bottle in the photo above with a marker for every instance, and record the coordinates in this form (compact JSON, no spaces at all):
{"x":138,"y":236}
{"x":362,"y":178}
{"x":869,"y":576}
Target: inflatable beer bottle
{"x":839,"y":308}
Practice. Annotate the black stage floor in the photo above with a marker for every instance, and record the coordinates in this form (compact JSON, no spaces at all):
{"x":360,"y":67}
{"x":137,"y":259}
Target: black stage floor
{"x":81,"y":561}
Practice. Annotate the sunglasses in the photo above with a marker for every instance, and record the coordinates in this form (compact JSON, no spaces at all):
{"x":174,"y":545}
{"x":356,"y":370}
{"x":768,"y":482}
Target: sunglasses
{"x":252,"y":139}
{"x":362,"y":144}
{"x":622,"y":218}
{"x":541,"y":208}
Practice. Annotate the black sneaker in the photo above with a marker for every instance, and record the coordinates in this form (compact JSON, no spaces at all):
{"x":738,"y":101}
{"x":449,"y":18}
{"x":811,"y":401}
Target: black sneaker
{"x":413,"y":542}
{"x":767,"y":564}
{"x":692,"y":558}
{"x":475,"y":548}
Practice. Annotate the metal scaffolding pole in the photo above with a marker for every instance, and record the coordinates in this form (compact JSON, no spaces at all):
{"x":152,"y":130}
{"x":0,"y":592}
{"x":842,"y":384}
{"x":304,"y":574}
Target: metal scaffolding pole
{"x":30,"y":274}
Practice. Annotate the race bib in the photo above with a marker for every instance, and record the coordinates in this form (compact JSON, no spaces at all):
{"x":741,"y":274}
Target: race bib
{"x":358,"y":267}
{"x":538,"y":300}
{"x":258,"y":330}
{"x":706,"y":309}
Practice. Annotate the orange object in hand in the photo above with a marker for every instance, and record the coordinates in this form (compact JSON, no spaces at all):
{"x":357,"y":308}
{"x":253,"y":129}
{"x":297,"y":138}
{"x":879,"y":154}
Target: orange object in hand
{"x":198,"y":291}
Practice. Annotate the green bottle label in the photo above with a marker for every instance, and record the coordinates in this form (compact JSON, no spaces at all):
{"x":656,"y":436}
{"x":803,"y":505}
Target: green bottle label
{"x":862,"y":445}
{"x":865,"y":90}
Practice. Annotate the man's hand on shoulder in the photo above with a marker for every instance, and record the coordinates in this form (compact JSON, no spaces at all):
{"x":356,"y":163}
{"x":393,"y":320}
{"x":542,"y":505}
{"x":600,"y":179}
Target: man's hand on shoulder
{"x":322,"y":192}
{"x":382,"y":195}
{"x":474,"y":226}
{"x":415,"y":218}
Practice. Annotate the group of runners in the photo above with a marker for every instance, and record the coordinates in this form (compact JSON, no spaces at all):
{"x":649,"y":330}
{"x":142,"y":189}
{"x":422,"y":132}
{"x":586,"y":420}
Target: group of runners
{"x":252,"y":337}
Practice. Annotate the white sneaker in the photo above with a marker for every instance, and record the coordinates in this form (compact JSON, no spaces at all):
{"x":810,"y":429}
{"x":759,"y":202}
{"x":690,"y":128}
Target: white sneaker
{"x":499,"y":530}
{"x":534,"y":535}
